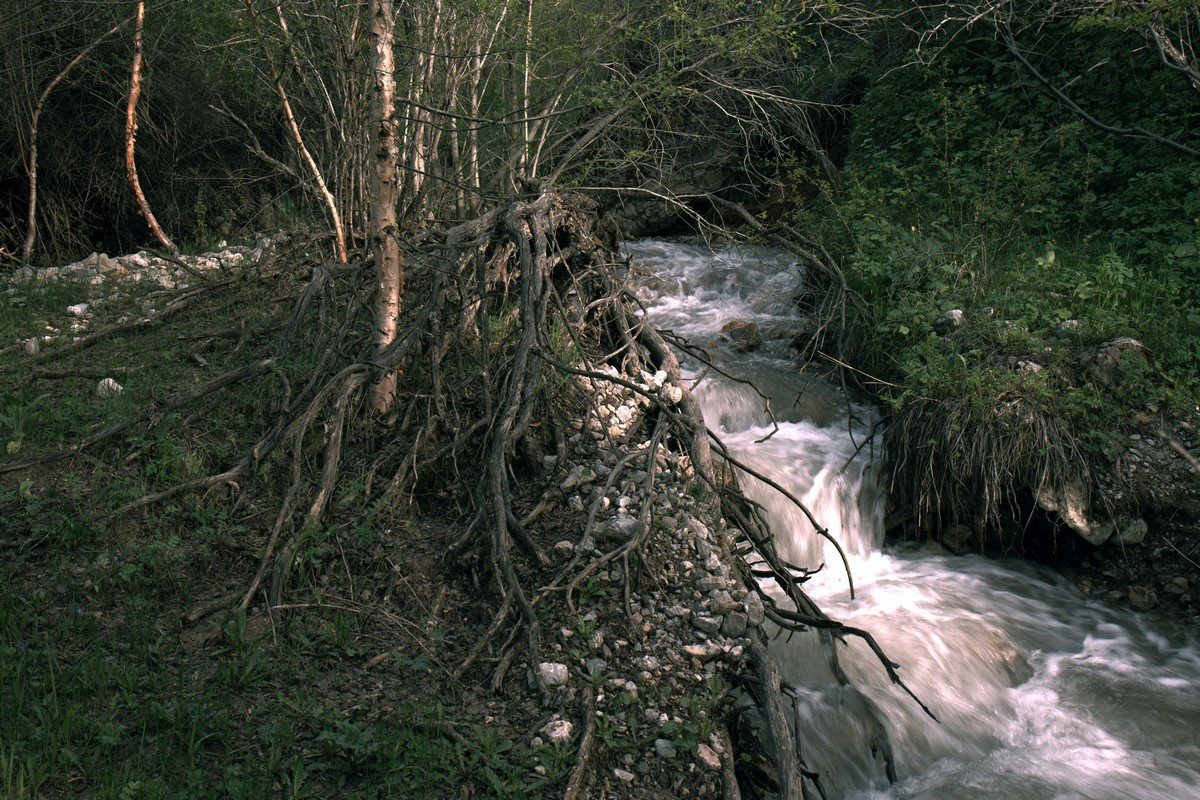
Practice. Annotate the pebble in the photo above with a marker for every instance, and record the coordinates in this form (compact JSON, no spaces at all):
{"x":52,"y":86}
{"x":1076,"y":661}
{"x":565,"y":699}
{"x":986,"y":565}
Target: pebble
{"x":625,"y":776}
{"x":559,"y":731}
{"x":1177,"y":586}
{"x":708,"y":757}
{"x":108,"y":388}
{"x":1142,"y":598}
{"x":734,"y":625}
{"x":78,"y":310}
{"x":664,"y":748}
{"x":756,"y":613}
{"x":553,"y":674}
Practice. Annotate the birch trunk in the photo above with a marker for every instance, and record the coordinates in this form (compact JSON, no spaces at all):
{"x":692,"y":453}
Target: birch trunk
{"x":32,"y":164}
{"x":385,"y":242}
{"x":135,"y":91}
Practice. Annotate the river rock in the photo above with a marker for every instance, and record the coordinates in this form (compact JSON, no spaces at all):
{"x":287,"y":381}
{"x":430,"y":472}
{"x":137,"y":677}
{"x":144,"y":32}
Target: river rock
{"x":743,"y":336}
{"x":956,"y":537}
{"x":756,"y":613}
{"x":734,"y":625}
{"x":1177,"y":586}
{"x":1142,"y":598}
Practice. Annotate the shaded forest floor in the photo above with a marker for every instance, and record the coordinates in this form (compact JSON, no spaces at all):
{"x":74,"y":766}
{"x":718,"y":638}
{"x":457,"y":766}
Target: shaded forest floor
{"x":129,"y":672}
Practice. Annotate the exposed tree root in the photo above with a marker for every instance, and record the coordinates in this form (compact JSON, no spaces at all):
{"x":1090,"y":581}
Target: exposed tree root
{"x":507,"y":315}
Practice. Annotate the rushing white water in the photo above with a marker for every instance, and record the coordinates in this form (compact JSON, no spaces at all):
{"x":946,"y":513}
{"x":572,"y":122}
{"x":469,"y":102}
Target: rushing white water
{"x":1039,"y":693}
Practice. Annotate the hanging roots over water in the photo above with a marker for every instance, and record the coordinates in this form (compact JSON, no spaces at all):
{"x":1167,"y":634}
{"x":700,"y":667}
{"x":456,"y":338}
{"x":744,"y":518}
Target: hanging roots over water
{"x":504,"y":314}
{"x":957,"y":462}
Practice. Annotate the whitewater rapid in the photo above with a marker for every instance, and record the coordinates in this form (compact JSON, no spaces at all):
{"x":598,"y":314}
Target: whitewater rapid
{"x":1039,"y":692}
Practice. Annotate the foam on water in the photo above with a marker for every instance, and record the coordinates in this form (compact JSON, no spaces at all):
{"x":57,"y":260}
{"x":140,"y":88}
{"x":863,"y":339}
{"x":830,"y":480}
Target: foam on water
{"x":1040,"y":693}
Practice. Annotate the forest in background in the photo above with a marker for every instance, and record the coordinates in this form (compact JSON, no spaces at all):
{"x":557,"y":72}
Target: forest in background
{"x":983,"y":196}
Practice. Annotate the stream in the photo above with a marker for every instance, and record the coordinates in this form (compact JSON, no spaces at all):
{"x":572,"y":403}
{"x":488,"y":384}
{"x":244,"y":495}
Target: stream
{"x":1040,"y":693}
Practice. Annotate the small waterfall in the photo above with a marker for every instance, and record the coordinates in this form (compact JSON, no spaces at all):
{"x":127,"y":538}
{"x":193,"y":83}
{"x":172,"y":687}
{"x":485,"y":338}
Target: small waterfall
{"x":1040,"y":694}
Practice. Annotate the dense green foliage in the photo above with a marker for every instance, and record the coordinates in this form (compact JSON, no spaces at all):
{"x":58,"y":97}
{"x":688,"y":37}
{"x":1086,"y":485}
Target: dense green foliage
{"x":970,"y":187}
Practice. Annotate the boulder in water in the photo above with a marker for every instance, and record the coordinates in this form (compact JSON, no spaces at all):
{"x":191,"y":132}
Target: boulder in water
{"x":743,"y":336}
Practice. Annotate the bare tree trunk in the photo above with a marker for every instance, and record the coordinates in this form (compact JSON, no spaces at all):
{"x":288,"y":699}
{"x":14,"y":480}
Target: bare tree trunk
{"x":289,"y":117}
{"x":385,"y":242}
{"x":135,"y":91}
{"x":31,"y":229}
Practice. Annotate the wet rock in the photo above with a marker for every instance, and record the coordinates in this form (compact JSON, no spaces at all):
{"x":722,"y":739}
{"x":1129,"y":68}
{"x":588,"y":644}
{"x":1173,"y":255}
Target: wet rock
{"x":1177,"y":586}
{"x":958,"y":536}
{"x":1142,"y":598}
{"x":743,"y":336}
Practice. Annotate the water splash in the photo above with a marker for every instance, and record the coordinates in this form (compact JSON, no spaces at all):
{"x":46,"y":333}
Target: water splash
{"x":1040,"y":693}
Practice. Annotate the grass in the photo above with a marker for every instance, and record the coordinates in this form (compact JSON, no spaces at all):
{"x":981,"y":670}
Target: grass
{"x":105,"y":691}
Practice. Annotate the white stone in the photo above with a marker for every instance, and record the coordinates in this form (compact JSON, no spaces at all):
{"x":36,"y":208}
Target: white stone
{"x":78,"y":310}
{"x":672,"y":394}
{"x":31,"y":347}
{"x":559,"y":731}
{"x":109,"y":388}
{"x":552,"y":673}
{"x":623,"y":775}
